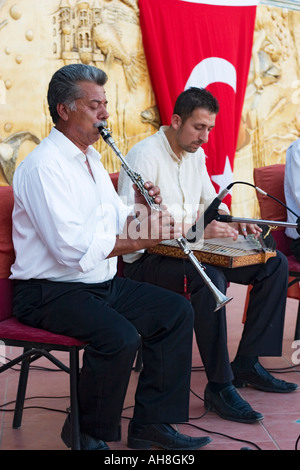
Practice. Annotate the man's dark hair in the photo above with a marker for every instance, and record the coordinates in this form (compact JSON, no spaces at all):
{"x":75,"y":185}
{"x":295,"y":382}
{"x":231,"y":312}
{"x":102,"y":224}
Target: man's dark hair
{"x":194,"y":98}
{"x":63,"y":86}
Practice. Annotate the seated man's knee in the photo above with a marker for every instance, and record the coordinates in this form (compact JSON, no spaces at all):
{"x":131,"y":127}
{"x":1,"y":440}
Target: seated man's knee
{"x":123,"y":339}
{"x":182,"y":309}
{"x":283,"y":262}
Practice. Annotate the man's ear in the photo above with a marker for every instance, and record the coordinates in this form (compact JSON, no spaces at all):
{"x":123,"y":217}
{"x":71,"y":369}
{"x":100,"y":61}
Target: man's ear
{"x":176,"y":121}
{"x":63,"y":111}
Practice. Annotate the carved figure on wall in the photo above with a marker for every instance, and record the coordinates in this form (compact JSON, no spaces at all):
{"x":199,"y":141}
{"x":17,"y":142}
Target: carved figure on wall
{"x":266,"y":51}
{"x":9,"y":151}
{"x":109,"y":38}
{"x":273,"y":69}
{"x":90,"y":32}
{"x":151,"y":116}
{"x":133,"y":4}
{"x":109,"y":42}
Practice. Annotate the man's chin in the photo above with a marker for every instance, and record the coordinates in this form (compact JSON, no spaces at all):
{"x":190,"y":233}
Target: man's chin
{"x":194,"y":148}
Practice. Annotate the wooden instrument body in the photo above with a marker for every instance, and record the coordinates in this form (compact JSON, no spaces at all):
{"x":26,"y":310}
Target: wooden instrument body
{"x":220,"y":252}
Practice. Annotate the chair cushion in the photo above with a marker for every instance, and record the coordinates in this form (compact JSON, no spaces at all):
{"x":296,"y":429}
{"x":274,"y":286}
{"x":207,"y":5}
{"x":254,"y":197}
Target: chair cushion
{"x":12,"y":329}
{"x":7,"y":254}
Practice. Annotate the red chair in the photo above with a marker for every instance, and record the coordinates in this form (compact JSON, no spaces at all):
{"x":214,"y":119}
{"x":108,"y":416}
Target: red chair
{"x":34,"y":341}
{"x":271,"y":179}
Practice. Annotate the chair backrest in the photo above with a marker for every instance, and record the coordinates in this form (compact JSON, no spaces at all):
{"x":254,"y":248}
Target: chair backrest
{"x":7,"y":254}
{"x":271,"y":180}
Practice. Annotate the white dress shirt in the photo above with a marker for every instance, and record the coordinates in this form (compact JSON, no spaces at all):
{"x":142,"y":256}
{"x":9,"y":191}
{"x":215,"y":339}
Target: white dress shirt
{"x":64,"y":221}
{"x":292,"y":185}
{"x":185,"y":185}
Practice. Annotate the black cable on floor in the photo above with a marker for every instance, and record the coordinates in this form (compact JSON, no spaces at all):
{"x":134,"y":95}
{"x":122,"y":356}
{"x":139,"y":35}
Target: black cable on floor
{"x":35,"y":406}
{"x":224,"y":435}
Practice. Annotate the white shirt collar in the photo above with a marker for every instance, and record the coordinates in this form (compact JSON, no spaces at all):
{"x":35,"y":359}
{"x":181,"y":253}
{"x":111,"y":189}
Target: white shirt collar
{"x":169,"y":148}
{"x":72,"y":151}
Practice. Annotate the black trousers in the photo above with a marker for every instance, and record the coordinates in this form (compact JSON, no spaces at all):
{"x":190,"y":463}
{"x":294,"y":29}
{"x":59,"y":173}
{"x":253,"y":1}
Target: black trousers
{"x":263,"y":329}
{"x":110,"y":316}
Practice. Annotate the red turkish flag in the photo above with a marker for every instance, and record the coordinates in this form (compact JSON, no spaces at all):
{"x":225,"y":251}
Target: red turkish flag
{"x":207,"y":44}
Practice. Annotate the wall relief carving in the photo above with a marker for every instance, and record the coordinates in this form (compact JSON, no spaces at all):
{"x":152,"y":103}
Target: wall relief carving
{"x":271,"y":113}
{"x":48,"y":35}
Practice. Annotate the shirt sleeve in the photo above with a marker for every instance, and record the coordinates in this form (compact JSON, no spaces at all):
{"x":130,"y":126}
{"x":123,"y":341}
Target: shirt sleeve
{"x":294,"y":172}
{"x":292,"y":186}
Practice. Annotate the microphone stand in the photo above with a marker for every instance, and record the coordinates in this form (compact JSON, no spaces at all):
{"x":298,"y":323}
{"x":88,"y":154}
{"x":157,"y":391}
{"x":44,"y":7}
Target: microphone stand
{"x":272,"y":223}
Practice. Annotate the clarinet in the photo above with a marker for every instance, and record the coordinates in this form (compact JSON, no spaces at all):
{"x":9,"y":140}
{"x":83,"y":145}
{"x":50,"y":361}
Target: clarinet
{"x":137,"y":179}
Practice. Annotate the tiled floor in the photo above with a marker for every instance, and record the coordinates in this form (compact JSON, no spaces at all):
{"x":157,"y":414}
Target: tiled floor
{"x":280,"y":428}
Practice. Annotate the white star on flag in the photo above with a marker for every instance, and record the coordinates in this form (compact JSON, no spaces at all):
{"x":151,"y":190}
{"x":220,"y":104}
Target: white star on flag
{"x":225,"y":178}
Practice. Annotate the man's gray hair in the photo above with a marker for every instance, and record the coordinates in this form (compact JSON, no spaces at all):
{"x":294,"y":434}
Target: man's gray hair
{"x":63,"y":86}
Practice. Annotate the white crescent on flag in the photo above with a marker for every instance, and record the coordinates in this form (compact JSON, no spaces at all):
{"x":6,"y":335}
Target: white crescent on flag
{"x":208,"y":71}
{"x":212,"y":70}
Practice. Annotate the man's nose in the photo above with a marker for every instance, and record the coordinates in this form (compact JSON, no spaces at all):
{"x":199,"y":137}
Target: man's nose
{"x":204,"y":135}
{"x":103,"y":113}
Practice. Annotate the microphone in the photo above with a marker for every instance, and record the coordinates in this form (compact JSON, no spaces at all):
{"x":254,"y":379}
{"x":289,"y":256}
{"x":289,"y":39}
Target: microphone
{"x":196,"y":231}
{"x":211,"y":211}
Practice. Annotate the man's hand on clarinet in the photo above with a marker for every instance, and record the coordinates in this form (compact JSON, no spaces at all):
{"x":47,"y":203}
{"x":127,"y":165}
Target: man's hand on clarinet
{"x":154,"y":225}
{"x":152,"y":190}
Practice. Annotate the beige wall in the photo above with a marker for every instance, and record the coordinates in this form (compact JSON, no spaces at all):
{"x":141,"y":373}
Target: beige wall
{"x":37,"y":37}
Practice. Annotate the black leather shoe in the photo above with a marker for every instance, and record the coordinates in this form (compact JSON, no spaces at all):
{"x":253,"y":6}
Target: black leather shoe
{"x":86,"y":442}
{"x":258,"y":377}
{"x":228,"y":404}
{"x":143,"y":436}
